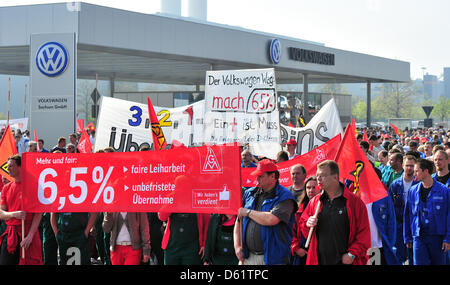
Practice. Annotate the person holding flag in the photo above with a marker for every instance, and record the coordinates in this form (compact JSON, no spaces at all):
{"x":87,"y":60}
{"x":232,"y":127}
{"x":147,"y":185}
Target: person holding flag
{"x":342,"y":232}
{"x":18,"y":246}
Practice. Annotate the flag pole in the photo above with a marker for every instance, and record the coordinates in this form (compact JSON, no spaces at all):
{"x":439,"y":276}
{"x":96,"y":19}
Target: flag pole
{"x":23,"y":236}
{"x":311,"y":229}
{"x":24,"y":100}
{"x":9,"y":97}
{"x":241,"y":229}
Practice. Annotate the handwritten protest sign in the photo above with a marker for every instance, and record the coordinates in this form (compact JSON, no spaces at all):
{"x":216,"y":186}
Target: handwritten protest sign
{"x":241,"y":106}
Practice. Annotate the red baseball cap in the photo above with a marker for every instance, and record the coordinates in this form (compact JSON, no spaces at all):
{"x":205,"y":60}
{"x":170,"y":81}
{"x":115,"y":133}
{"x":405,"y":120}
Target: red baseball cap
{"x":265,"y":165}
{"x":177,"y":144}
{"x":291,"y":142}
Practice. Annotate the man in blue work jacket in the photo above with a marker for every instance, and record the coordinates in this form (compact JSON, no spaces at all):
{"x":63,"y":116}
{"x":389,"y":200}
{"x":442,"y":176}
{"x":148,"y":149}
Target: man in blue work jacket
{"x":384,"y":216}
{"x":398,"y":191}
{"x":268,"y":216}
{"x":427,"y":218}
{"x":442,"y":174}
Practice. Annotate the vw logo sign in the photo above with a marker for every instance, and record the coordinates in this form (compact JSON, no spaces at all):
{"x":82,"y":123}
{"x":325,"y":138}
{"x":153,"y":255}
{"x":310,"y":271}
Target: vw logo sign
{"x":275,"y":51}
{"x":52,"y":59}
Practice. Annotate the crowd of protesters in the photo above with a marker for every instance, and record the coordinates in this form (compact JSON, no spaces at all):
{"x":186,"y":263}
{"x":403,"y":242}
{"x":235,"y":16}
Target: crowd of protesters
{"x":409,"y":226}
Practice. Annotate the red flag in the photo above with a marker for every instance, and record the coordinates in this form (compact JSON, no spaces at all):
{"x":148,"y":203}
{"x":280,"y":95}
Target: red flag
{"x":355,"y":166}
{"x":80,"y":125}
{"x":159,"y":141}
{"x":7,"y":149}
{"x":36,"y":140}
{"x":353,"y":126}
{"x":84,"y":145}
{"x":395,"y":129}
{"x":365,"y":138}
{"x":309,"y":160}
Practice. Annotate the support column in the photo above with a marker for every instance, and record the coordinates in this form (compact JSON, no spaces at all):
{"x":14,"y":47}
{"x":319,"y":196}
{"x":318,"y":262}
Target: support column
{"x":304,"y":98}
{"x":369,"y":99}
{"x":112,"y":86}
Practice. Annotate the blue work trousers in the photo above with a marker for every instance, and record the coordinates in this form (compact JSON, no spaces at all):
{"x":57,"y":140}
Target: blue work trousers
{"x":428,"y":250}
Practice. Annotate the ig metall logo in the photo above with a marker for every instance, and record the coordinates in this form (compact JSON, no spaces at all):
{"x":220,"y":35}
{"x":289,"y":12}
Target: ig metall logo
{"x":52,"y":59}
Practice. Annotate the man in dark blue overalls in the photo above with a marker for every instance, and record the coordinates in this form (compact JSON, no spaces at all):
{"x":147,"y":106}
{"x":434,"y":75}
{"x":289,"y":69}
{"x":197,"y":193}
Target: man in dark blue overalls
{"x":426,"y":219}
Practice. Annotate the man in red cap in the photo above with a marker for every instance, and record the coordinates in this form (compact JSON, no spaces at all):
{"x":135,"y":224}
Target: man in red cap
{"x":267,"y":219}
{"x":291,"y":148}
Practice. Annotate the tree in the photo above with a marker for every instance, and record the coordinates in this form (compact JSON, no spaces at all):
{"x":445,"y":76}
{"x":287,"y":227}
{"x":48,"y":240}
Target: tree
{"x":84,"y":100}
{"x":441,"y":108}
{"x":332,"y":88}
{"x":359,"y":110}
{"x":396,"y":100}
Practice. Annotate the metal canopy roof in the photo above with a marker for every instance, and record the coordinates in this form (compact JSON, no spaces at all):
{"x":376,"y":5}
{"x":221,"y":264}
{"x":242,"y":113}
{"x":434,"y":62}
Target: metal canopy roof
{"x":129,"y":46}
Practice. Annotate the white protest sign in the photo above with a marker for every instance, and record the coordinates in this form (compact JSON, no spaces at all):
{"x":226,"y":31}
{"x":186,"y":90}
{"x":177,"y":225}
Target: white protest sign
{"x":124,"y":125}
{"x":326,"y":124}
{"x":241,"y":106}
{"x":16,"y":124}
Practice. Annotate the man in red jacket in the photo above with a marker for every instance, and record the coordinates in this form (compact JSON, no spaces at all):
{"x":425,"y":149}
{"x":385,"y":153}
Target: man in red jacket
{"x":341,"y":229}
{"x":12,"y":240}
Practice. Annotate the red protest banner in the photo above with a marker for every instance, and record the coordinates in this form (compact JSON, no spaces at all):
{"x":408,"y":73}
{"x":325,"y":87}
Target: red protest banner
{"x":189,"y":180}
{"x":309,"y":160}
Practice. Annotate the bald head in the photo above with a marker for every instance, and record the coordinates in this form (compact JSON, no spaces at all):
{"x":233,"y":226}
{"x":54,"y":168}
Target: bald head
{"x":298,"y":175}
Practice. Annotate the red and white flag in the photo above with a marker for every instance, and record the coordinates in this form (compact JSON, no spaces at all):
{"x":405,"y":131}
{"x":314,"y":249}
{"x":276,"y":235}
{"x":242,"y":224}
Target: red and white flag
{"x":84,"y":145}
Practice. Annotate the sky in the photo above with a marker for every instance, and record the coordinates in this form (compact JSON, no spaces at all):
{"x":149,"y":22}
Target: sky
{"x":414,"y":31}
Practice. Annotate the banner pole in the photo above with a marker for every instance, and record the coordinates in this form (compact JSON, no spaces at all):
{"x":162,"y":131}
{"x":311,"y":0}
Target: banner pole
{"x":23,"y":236}
{"x":9,"y":98}
{"x":241,"y":229}
{"x":279,"y":121}
{"x":312,"y":228}
{"x":24,"y":100}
